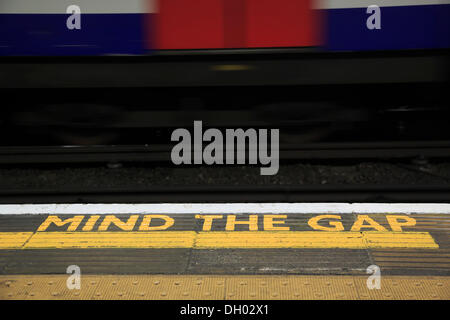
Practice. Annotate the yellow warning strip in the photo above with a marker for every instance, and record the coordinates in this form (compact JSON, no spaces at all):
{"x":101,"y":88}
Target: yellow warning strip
{"x":13,"y":240}
{"x":399,"y":240}
{"x":217,"y":240}
{"x":224,"y":287}
{"x":68,"y":240}
{"x":314,"y":239}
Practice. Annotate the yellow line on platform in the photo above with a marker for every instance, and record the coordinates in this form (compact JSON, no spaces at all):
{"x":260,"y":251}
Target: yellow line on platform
{"x":217,"y":240}
{"x":13,"y":240}
{"x":315,"y":239}
{"x":68,"y":240}
{"x":223,"y":287}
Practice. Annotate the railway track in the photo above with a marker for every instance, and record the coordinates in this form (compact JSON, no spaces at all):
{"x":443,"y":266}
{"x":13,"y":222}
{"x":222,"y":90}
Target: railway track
{"x":75,"y":155}
{"x":161,"y":152}
{"x":290,"y":193}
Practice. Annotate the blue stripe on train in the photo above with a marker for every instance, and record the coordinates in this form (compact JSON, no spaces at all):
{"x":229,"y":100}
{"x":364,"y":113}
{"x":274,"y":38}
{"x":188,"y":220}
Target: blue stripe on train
{"x":47,"y":34}
{"x":405,"y":27}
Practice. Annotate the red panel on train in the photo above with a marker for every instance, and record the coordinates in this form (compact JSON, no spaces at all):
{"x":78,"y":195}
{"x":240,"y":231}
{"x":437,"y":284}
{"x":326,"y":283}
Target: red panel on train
{"x":187,"y":24}
{"x":280,"y":23}
{"x":235,"y":23}
{"x":203,"y":24}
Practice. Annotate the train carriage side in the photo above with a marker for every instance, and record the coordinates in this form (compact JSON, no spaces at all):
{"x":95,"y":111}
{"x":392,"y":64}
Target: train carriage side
{"x":52,"y":27}
{"x":216,"y":28}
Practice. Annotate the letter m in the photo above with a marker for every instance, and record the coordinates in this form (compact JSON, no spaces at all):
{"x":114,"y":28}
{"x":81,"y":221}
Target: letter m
{"x":73,"y":222}
{"x":241,"y":136}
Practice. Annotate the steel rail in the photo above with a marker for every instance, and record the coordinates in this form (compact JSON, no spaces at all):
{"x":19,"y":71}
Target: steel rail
{"x":161,"y":153}
{"x":232,"y":193}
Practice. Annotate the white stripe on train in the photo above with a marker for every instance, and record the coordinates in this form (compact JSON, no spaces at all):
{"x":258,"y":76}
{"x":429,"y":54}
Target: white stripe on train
{"x":151,"y":6}
{"x":86,"y":6}
{"x":227,"y":208}
{"x":345,"y":4}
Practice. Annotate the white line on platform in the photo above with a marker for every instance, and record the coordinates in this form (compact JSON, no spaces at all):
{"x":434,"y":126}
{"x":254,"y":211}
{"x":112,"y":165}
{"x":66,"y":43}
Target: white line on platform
{"x":226,"y":208}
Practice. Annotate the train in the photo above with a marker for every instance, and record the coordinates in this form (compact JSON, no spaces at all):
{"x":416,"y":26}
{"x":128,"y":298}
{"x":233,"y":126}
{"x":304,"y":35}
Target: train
{"x":131,"y":64}
{"x":145,"y":27}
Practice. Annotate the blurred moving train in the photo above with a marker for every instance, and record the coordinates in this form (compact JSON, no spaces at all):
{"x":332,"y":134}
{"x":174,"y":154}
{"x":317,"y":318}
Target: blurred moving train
{"x":307,"y":64}
{"x":112,"y":27}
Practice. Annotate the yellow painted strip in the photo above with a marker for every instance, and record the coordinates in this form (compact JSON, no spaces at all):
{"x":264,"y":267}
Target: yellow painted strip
{"x":226,"y":240}
{"x":414,"y":265}
{"x":314,"y":239}
{"x":399,"y":240}
{"x":13,"y":240}
{"x":280,"y":239}
{"x":69,"y":240}
{"x":223,"y":287}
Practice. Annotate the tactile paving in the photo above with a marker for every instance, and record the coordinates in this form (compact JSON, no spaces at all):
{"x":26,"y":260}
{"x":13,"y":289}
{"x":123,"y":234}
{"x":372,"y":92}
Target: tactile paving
{"x":233,"y":287}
